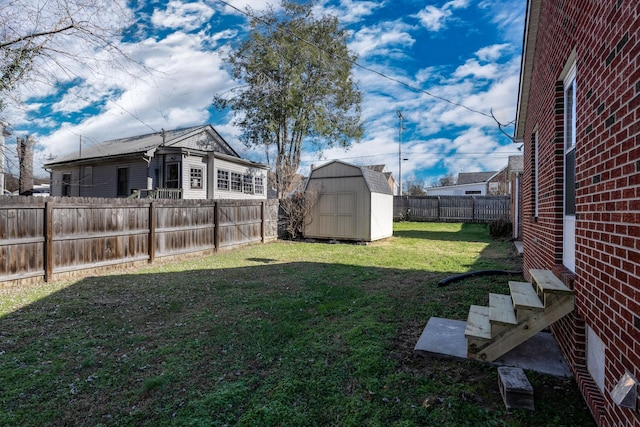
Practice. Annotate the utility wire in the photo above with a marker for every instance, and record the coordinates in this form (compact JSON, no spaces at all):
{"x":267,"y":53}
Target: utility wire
{"x":369,"y":69}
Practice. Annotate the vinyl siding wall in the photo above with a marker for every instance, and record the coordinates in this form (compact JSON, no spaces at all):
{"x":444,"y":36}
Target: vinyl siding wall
{"x":219,"y":164}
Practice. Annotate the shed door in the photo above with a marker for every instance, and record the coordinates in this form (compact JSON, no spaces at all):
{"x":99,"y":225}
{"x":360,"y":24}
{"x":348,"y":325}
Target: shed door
{"x":337,"y":215}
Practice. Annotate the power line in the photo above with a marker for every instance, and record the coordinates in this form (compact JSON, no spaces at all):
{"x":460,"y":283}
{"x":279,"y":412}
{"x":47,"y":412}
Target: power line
{"x":369,"y":69}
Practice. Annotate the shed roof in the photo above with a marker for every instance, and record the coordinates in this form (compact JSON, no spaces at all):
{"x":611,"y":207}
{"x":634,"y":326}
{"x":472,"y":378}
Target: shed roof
{"x":376,"y":181}
{"x":474,"y":177}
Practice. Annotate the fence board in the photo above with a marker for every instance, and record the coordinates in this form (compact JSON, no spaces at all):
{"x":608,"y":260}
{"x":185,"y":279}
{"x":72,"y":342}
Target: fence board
{"x":451,"y":208}
{"x":40,"y":237}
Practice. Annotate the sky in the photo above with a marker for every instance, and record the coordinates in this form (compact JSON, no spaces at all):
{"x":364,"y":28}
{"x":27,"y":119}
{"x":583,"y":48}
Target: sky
{"x":446,"y":66}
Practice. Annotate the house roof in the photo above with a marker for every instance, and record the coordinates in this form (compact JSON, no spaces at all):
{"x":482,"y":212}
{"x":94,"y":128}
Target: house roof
{"x":145,"y":144}
{"x":474,"y":177}
{"x":526,"y":65}
{"x":377,"y":168}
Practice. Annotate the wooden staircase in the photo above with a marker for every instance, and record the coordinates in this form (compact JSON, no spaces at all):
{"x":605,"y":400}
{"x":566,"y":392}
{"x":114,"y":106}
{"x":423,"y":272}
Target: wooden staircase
{"x":512,"y":319}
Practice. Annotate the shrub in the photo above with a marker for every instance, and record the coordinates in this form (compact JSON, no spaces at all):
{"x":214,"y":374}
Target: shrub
{"x":500,"y":229}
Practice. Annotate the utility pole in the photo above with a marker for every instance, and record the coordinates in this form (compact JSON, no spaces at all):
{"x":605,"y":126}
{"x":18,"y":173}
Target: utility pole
{"x":3,"y":132}
{"x":400,"y":118}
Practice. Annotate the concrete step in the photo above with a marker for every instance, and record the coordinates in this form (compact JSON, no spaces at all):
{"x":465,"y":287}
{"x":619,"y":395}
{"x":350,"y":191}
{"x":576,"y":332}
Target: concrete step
{"x":525,"y":297}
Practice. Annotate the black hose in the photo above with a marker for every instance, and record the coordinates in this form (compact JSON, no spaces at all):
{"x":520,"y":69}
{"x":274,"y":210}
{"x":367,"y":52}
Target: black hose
{"x":451,"y":279}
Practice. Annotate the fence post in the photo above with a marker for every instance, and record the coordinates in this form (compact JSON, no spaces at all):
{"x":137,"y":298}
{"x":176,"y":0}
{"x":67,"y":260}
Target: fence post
{"x":263,"y":229}
{"x":216,"y":226}
{"x":48,"y":241}
{"x":473,"y":208}
{"x":152,"y":232}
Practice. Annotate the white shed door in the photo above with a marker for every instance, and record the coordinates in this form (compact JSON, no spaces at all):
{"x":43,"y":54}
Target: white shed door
{"x":337,"y":215}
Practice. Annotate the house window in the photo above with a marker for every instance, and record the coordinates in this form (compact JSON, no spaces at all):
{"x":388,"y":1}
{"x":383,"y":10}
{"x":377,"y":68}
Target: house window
{"x":247,"y":184}
{"x":196,"y":178}
{"x":259,"y":185}
{"x":173,"y":175}
{"x":123,"y":182}
{"x":236,"y":182}
{"x":66,"y":184}
{"x":223,"y":180}
{"x":473,"y":192}
{"x":570,"y":143}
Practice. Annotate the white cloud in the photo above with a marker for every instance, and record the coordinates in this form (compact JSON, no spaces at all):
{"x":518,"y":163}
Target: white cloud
{"x":436,"y":18}
{"x":493,"y":52}
{"x":381,"y":39}
{"x":178,"y":94}
{"x":254,"y":5}
{"x":473,"y":68}
{"x":184,"y":16}
{"x":349,"y":11}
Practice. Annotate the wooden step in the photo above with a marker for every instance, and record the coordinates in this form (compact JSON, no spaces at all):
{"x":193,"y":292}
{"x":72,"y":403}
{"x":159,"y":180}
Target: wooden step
{"x":548,"y":282}
{"x":501,"y":309}
{"x":525,"y":297}
{"x":478,"y":325}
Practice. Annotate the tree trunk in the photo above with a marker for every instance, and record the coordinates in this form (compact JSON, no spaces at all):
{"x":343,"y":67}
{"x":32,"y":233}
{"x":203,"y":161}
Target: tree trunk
{"x":25,"y":157}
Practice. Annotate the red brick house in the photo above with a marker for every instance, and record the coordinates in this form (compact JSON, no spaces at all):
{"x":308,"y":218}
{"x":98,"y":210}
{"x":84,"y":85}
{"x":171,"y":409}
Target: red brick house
{"x":579,"y":120}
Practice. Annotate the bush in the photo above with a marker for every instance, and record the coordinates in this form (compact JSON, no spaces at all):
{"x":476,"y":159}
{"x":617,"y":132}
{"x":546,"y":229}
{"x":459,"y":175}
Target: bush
{"x":501,"y":229}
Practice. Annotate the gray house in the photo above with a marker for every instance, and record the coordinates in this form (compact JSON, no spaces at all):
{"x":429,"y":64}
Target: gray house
{"x":191,"y":163}
{"x":354,"y":203}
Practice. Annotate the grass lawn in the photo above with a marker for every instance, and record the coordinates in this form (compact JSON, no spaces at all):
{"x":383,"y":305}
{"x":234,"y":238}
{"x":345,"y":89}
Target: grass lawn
{"x":284,"y":334}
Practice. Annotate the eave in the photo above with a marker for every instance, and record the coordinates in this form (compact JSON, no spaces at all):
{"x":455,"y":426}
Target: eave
{"x":526,"y":66}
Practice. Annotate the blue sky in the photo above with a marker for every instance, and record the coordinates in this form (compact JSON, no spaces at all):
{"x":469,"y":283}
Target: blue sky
{"x":464,"y":51}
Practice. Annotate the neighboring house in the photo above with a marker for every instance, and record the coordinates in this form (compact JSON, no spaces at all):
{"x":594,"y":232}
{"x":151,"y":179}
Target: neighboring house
{"x":474,"y":184}
{"x":353,"y":203}
{"x":515,"y":169}
{"x":579,"y":118}
{"x":388,"y":175}
{"x":191,"y":163}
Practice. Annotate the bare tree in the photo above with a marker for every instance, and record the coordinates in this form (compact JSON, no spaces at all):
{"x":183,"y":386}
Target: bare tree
{"x":42,"y":40}
{"x":443,"y":181}
{"x":297,"y":208}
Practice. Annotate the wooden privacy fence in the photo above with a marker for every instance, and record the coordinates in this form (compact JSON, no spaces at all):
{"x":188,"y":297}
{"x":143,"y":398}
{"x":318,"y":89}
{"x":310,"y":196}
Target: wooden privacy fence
{"x":451,"y":208}
{"x":42,"y":237}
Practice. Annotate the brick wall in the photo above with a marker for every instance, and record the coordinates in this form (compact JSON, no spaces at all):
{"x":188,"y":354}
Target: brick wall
{"x":605,"y":37}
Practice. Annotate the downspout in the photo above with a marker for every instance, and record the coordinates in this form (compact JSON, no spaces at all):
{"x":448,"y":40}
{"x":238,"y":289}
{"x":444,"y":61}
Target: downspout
{"x":516,"y":220}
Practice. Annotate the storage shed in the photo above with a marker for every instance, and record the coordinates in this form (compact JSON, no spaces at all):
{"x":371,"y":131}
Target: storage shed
{"x":353,"y":203}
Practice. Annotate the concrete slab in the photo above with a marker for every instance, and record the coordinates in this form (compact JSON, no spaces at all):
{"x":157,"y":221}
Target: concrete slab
{"x":445,"y":337}
{"x":519,"y":246}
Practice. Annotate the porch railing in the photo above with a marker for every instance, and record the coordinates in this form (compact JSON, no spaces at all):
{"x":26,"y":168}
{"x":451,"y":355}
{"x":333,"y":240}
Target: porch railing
{"x":158,"y":193}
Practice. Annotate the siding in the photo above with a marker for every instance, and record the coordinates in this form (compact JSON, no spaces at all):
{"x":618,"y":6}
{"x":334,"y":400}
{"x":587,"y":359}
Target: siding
{"x":347,"y":208}
{"x":220,"y":164}
{"x":187,"y":164}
